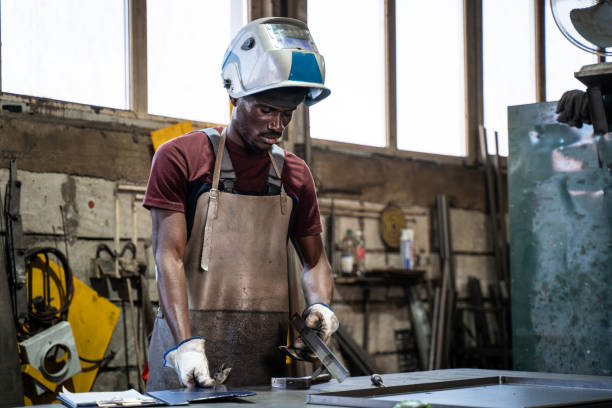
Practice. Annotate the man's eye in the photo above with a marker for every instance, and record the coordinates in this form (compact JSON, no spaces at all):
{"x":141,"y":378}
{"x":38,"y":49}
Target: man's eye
{"x":266,"y":110}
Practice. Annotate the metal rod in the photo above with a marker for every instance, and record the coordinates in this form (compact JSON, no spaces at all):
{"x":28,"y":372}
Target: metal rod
{"x":366,"y":317}
{"x":116,"y":237}
{"x":434,"y":329}
{"x":491,"y":201}
{"x":390,"y":74}
{"x":135,"y":333}
{"x":65,"y":234}
{"x":540,"y":49}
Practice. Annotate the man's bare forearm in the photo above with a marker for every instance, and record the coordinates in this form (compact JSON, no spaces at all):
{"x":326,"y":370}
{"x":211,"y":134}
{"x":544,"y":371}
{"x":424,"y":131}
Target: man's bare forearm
{"x":317,"y":281}
{"x":172,"y":288}
{"x":169,"y":237}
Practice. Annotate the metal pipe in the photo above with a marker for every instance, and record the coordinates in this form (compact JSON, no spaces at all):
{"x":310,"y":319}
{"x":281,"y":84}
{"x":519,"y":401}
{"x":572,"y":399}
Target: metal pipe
{"x":540,"y":49}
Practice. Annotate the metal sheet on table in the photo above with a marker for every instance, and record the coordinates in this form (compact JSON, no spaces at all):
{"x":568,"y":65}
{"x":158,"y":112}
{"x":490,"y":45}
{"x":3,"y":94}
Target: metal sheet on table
{"x":490,"y":392}
{"x":181,"y":396}
{"x":505,"y":396}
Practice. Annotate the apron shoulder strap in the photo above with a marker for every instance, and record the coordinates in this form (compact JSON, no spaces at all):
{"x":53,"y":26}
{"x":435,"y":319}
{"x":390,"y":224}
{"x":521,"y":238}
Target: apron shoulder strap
{"x":274,"y":157}
{"x":227,"y":173}
{"x":277,"y":157}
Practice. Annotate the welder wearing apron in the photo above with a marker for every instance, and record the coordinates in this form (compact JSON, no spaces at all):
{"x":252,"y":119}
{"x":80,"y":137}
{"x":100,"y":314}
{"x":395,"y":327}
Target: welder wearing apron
{"x":221,"y":263}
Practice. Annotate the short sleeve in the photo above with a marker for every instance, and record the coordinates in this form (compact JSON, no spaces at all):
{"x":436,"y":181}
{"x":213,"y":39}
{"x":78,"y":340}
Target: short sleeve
{"x":307,"y":219}
{"x":168,"y":181}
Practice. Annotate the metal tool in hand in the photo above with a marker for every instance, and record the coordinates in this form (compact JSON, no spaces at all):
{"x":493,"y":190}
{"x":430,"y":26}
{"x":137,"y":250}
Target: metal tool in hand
{"x":298,"y":383}
{"x":320,"y":349}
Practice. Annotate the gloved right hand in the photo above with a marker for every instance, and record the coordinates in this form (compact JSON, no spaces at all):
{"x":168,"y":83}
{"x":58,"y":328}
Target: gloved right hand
{"x":189,"y":361}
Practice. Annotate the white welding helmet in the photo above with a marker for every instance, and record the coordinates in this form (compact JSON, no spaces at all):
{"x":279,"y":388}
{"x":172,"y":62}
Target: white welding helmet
{"x":274,"y":52}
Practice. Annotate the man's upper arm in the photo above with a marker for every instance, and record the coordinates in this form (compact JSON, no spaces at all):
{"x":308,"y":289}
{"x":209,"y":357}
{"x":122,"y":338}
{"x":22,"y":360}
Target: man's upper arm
{"x":169,"y":233}
{"x":167,"y":185}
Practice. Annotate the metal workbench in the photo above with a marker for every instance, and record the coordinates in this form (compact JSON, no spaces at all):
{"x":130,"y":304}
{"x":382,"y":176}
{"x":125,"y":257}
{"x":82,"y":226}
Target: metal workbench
{"x":267,"y":397}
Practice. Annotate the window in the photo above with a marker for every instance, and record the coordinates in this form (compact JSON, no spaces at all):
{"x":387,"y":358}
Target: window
{"x":508,"y":63}
{"x":186,"y":43}
{"x":430,"y":80}
{"x":353,"y":49}
{"x":71,"y":50}
{"x":562,"y":59}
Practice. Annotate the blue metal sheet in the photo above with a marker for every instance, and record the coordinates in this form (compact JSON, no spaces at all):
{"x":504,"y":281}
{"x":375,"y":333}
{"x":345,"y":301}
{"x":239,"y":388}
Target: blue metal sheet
{"x":560,"y":209}
{"x":183,"y":396}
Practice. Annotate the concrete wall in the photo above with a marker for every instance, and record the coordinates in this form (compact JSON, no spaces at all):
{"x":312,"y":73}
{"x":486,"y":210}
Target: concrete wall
{"x":72,"y":155}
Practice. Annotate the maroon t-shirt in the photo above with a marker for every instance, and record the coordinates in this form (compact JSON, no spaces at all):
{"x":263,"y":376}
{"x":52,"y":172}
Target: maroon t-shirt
{"x":182,"y":166}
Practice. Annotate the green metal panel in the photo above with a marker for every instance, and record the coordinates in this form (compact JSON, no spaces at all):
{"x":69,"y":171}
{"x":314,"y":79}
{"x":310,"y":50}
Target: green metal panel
{"x":560,"y":209}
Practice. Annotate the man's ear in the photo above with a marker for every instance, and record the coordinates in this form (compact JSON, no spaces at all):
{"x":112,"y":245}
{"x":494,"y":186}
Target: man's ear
{"x":233,"y":101}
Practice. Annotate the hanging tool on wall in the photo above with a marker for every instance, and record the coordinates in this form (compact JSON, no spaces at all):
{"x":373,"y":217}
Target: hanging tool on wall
{"x":15,"y":249}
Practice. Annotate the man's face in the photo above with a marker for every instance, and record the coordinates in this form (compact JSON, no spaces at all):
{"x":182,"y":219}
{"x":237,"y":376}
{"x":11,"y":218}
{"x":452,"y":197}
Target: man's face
{"x":259,"y":124}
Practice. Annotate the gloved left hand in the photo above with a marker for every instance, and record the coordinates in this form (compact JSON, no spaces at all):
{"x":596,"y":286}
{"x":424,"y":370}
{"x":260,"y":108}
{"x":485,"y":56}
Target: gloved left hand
{"x":320,"y":318}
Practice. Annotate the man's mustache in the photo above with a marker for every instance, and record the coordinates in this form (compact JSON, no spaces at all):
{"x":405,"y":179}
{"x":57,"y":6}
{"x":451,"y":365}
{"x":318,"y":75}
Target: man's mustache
{"x":271,"y":135}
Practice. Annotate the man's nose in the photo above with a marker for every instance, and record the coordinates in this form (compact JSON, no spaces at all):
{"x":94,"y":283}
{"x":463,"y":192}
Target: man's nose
{"x":276,"y":123}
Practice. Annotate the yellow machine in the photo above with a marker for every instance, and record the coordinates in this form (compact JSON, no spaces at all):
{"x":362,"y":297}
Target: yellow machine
{"x":89,"y":323}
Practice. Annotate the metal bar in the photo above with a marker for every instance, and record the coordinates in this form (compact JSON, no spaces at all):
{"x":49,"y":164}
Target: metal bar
{"x":314,"y":342}
{"x":137,"y":27}
{"x":135,"y":334}
{"x":447,"y":287}
{"x":11,"y":392}
{"x":441,"y":318}
{"x":480,"y":319}
{"x":500,"y":212}
{"x":366,"y":317}
{"x":434,"y":329}
{"x":505,"y":262}
{"x":540,"y":49}
{"x":127,"y":188}
{"x":420,"y":324}
{"x":472,"y":28}
{"x":484,"y":156}
{"x":15,"y":246}
{"x":390,"y":74}
{"x":116,"y":237}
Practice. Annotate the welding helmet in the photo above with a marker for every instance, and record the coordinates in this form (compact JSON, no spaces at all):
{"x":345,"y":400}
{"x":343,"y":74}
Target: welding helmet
{"x":274,"y":52}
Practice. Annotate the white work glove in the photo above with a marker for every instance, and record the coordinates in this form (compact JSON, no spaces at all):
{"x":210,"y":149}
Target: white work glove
{"x":189,"y":361}
{"x":322,"y":319}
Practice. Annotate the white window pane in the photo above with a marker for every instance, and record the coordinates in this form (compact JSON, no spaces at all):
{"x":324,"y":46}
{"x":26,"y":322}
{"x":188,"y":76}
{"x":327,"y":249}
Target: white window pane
{"x":430,"y":83}
{"x":508,"y":63}
{"x":186,"y":43}
{"x":354,"y":54}
{"x":562,"y":60}
{"x":71,"y":50}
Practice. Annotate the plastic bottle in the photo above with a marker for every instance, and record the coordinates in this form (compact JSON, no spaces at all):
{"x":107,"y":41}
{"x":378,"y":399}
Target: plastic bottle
{"x":360,"y":253}
{"x":348,"y":253}
{"x":407,"y":248}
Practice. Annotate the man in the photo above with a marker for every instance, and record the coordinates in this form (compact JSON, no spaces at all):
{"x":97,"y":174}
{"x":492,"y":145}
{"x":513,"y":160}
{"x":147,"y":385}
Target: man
{"x":223,"y":204}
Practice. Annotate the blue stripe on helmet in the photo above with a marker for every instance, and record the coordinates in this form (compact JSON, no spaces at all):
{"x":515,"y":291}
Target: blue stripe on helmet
{"x":304,"y":68}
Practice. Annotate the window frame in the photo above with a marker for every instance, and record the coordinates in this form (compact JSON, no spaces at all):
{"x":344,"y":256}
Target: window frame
{"x":473,"y":76}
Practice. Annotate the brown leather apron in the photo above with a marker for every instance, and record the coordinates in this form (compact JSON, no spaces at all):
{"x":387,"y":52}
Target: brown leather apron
{"x":236,"y":268}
